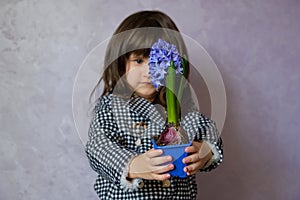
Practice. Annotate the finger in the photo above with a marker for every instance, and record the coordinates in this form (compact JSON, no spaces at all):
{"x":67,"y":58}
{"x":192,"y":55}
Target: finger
{"x":193,"y":168}
{"x":161,"y":177}
{"x":191,"y":149}
{"x":191,"y":158}
{"x":194,"y":148}
{"x":202,"y":150}
{"x":154,"y":153}
{"x":191,"y":173}
{"x":162,"y":169}
{"x":160,"y":160}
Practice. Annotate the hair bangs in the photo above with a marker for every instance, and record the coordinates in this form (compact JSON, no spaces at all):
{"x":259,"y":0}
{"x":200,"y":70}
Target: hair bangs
{"x":140,"y":52}
{"x":140,"y":40}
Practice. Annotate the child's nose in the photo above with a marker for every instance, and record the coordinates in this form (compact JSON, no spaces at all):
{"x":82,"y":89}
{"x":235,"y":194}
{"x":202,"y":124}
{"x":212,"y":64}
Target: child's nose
{"x":146,"y":62}
{"x":147,"y":69}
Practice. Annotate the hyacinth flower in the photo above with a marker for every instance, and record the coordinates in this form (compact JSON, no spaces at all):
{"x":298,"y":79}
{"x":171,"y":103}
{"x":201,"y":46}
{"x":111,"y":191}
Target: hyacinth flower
{"x":166,"y":67}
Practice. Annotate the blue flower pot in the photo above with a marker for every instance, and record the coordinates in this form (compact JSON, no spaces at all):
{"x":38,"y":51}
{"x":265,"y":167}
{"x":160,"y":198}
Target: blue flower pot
{"x":177,"y":152}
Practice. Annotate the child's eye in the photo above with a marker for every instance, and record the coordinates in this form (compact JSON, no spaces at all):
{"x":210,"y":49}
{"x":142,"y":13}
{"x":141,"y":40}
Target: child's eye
{"x":138,"y":61}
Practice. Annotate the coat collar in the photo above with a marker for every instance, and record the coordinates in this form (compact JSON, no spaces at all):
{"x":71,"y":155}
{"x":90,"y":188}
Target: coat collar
{"x":122,"y":108}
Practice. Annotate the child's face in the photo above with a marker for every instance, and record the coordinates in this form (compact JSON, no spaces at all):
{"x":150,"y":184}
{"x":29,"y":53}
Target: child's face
{"x":137,"y":75}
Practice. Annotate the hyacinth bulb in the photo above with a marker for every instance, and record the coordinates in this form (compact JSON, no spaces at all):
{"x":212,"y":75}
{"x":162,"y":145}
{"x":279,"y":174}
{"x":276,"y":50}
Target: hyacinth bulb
{"x":171,"y":136}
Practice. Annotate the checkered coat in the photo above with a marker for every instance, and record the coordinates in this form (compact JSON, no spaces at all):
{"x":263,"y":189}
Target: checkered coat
{"x":115,"y":138}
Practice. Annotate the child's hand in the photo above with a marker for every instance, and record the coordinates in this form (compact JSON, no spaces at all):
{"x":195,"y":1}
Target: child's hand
{"x":200,"y":154}
{"x":150,"y":166}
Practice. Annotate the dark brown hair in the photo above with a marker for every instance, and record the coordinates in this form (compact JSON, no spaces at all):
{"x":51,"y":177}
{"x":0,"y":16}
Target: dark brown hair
{"x":136,"y":34}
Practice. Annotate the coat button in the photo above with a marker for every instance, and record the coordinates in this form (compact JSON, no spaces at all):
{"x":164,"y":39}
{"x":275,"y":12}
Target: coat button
{"x":141,"y":184}
{"x":134,"y":125}
{"x":138,"y":142}
{"x":139,"y":124}
{"x":166,"y":183}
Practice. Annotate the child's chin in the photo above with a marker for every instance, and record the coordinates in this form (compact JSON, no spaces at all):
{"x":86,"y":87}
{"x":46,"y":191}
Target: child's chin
{"x":145,"y":92}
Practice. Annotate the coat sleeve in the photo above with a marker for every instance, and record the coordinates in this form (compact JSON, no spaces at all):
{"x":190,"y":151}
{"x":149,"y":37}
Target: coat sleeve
{"x":201,"y":128}
{"x":104,"y":150}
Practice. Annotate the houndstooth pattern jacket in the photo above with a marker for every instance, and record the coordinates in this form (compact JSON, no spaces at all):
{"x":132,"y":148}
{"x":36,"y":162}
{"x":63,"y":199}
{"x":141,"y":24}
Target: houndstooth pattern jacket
{"x":115,"y":138}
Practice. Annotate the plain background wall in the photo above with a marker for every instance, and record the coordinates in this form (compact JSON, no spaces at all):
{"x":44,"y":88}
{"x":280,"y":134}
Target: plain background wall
{"x":254,"y":43}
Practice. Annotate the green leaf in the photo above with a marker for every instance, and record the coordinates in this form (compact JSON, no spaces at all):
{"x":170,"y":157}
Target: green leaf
{"x":182,"y":79}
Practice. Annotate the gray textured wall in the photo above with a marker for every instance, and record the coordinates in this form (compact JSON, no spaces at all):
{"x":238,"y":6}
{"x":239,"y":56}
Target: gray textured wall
{"x":254,"y":43}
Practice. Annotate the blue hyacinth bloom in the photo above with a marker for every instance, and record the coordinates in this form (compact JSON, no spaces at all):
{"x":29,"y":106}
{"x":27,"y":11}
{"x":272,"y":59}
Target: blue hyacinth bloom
{"x":161,"y":55}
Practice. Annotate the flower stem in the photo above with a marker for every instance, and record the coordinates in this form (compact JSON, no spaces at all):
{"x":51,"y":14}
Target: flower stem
{"x":172,"y":110}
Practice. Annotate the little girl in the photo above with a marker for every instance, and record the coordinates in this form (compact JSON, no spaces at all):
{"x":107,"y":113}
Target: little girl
{"x":131,"y":111}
